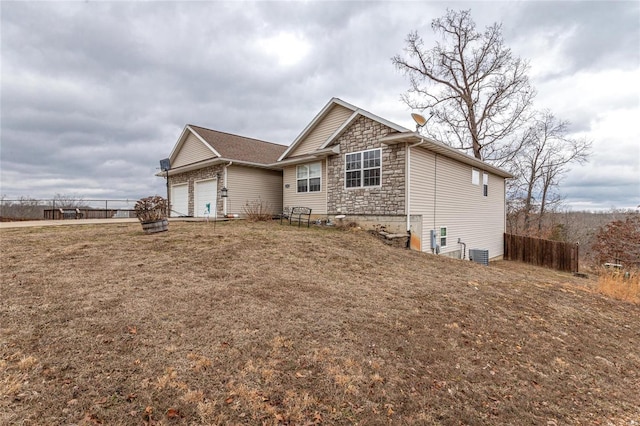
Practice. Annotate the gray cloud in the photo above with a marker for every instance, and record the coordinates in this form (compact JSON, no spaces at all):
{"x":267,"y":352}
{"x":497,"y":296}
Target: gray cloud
{"x":592,"y":35}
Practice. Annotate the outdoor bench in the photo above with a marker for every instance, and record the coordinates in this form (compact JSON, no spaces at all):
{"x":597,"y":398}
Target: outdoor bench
{"x":297,"y":214}
{"x":70,"y":213}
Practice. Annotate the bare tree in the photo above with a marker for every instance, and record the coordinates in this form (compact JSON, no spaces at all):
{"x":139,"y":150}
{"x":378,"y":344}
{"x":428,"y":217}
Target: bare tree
{"x":544,"y":158}
{"x":619,"y":242}
{"x":68,"y":201}
{"x":477,"y":92}
{"x":20,"y":209}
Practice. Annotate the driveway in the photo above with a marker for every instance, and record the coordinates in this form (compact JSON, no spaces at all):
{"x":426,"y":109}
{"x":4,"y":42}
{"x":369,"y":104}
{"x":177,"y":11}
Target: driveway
{"x":69,"y":222}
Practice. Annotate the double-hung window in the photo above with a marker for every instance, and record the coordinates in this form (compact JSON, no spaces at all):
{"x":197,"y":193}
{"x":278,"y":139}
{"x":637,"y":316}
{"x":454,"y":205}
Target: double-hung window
{"x":308,"y":177}
{"x":475,"y":177}
{"x":485,"y":184}
{"x":363,"y":168}
{"x":443,"y":236}
{"x":475,"y":180}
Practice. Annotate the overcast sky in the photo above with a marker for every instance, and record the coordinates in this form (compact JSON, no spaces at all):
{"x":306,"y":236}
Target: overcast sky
{"x":94,"y":94}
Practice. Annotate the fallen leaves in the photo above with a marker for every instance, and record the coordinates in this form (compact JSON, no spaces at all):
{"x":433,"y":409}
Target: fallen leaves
{"x":169,"y":376}
{"x":92,"y":419}
{"x":146,"y":415}
{"x":172,"y":413}
{"x":27,"y":362}
{"x":389,"y":408}
{"x":200,"y":362}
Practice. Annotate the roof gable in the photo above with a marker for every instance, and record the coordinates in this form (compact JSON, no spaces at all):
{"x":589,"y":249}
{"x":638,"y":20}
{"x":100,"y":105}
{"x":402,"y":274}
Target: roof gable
{"x":349,"y":114}
{"x":319,"y":129}
{"x":198,"y":144}
{"x":239,"y":148}
{"x":191,"y":148}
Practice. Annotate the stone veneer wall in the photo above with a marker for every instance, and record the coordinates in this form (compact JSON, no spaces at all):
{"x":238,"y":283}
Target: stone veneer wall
{"x":389,"y":198}
{"x":201,"y":174}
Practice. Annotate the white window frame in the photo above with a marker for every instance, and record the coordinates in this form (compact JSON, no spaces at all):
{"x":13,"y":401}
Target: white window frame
{"x":440,"y":237}
{"x":308,"y":177}
{"x":362,"y":168}
{"x":475,"y":177}
{"x":485,"y":184}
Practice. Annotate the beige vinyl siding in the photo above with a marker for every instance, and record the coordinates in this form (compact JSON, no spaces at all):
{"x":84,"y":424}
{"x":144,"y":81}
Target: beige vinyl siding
{"x":325,"y":128}
{"x":191,"y":151}
{"x":422,"y":183}
{"x":248,"y":184}
{"x":317,"y":201}
{"x":459,"y":205}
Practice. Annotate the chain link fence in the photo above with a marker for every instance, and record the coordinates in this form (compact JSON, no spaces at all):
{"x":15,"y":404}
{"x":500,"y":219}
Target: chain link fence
{"x":62,"y":208}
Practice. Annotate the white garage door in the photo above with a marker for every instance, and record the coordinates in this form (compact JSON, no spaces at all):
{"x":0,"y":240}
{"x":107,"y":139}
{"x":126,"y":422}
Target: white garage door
{"x":179,"y":200}
{"x":205,"y":193}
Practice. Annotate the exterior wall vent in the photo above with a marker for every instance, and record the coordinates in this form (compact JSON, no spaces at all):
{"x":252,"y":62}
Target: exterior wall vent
{"x":479,"y":256}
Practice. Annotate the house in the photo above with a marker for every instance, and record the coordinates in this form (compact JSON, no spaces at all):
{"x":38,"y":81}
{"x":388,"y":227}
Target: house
{"x":348,"y":161}
{"x":205,"y":161}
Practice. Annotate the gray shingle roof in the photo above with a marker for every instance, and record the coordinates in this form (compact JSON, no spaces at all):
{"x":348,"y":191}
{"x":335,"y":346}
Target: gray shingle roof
{"x":240,"y":148}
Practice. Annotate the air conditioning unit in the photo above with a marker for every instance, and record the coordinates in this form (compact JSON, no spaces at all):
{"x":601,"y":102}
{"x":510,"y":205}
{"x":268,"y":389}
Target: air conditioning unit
{"x":479,"y":256}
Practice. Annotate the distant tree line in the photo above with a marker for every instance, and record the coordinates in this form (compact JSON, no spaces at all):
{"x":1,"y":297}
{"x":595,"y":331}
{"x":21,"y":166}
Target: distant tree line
{"x":28,"y":208}
{"x":618,"y":242}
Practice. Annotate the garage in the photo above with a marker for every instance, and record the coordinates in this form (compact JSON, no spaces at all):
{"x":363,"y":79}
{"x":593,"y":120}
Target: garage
{"x":205,"y":193}
{"x":179,"y":200}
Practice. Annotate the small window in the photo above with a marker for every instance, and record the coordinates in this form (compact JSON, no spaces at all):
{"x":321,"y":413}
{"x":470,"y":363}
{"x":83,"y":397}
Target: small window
{"x":443,"y":236}
{"x":363,"y":169}
{"x":475,"y":177}
{"x":308,"y":177}
{"x":485,"y":184}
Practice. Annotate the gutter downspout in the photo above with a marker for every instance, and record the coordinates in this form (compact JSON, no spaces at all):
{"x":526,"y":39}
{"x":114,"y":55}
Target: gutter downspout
{"x":408,"y":180}
{"x":224,"y":200}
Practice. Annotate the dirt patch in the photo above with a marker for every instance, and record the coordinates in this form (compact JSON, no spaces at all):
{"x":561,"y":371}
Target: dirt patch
{"x":262,"y":323}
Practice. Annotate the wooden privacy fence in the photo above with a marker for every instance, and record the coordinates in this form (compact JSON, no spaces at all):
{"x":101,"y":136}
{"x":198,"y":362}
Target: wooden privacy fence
{"x":83,"y":213}
{"x":536,"y":251}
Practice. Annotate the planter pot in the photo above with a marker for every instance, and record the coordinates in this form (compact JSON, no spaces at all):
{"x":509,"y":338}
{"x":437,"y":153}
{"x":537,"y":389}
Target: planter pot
{"x":156,"y":226}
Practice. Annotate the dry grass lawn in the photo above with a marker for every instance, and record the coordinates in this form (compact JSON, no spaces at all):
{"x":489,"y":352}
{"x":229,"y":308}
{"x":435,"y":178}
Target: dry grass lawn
{"x":270,"y":324}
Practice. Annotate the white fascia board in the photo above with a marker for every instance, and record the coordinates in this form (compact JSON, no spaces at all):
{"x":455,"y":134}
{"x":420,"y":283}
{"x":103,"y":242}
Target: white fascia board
{"x":396,"y":138}
{"x":314,"y":122}
{"x":275,"y":166}
{"x":353,"y":117}
{"x":381,"y":120}
{"x":442,"y":149}
{"x":299,"y":160}
{"x":179,"y":142}
{"x":183,"y":138}
{"x":204,"y":141}
{"x":219,"y":160}
{"x":316,"y":155}
{"x":193,"y":166}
